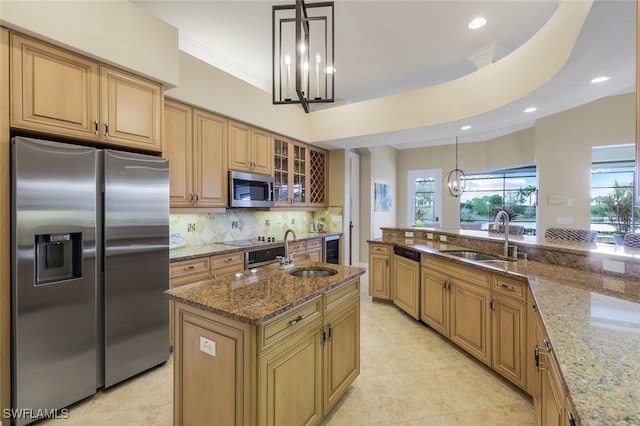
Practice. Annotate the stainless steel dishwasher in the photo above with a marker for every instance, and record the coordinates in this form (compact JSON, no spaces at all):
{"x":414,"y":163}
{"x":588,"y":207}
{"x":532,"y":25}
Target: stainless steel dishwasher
{"x":406,"y":280}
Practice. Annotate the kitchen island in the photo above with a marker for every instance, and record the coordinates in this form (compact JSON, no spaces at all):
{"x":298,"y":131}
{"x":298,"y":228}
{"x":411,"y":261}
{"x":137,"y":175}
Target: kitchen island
{"x":264,"y":346}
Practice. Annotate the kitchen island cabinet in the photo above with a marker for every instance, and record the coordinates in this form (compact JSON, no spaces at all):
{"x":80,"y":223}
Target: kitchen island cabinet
{"x":380,"y":271}
{"x":242,"y":343}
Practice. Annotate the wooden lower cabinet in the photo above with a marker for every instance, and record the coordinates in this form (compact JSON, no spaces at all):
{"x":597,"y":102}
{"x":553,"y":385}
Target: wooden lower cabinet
{"x":193,"y":270}
{"x":211,"y":389}
{"x":549,"y":398}
{"x":456,"y":302}
{"x":290,"y":370}
{"x":290,"y":380}
{"x":310,"y":250}
{"x":509,"y":339}
{"x":342,"y":350}
{"x":379,"y":271}
{"x":470,"y":319}
{"x":406,"y":285}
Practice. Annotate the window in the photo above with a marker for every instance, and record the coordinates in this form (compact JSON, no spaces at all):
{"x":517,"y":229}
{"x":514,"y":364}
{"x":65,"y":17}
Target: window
{"x":612,"y":208}
{"x":424,"y":198}
{"x":513,"y":190}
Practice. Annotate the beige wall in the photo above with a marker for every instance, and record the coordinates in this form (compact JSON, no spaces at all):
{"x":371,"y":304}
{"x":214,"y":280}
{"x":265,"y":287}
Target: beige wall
{"x":210,"y":88}
{"x":559,"y":144}
{"x":366,"y":203}
{"x":383,"y":170}
{"x":115,"y":32}
{"x":563,"y":154}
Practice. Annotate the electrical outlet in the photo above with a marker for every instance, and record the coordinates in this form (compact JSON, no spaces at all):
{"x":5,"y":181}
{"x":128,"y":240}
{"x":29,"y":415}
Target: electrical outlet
{"x":191,"y":227}
{"x":429,"y":236}
{"x":613,"y":266}
{"x":207,"y":346}
{"x":443,"y":238}
{"x":408,"y":234}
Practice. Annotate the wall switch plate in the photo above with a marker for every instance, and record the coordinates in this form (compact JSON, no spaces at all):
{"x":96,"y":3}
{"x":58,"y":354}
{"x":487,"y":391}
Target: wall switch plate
{"x":207,"y":346}
{"x":429,"y":236}
{"x":443,"y":238}
{"x":613,"y":266}
{"x":408,"y":234}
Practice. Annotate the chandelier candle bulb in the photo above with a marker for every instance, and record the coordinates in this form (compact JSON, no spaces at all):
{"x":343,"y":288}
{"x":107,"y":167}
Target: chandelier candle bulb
{"x":318,"y":60}
{"x":287,"y":60}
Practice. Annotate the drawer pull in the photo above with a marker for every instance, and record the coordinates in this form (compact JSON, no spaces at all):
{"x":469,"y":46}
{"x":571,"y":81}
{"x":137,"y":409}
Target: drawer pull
{"x":300,"y":318}
{"x":190,"y":267}
{"x":228,"y":259}
{"x":508,"y":287}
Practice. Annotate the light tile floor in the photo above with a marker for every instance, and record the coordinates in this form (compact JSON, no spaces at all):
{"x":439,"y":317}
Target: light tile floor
{"x":409,"y":376}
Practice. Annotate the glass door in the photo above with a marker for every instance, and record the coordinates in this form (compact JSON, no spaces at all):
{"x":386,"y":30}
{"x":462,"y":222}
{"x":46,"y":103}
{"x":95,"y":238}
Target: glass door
{"x":281,"y":172}
{"x":424,"y":198}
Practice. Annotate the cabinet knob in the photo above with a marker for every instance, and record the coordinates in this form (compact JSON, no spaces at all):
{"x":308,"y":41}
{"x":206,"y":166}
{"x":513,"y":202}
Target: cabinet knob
{"x":190,"y":267}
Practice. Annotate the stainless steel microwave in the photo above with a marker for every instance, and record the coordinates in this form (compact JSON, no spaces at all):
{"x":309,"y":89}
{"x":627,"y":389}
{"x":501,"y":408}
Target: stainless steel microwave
{"x":250,"y":190}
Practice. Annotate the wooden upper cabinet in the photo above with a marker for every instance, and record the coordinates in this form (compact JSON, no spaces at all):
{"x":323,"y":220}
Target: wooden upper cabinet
{"x":52,"y":90}
{"x":210,"y":151}
{"x":178,"y":148}
{"x":249,"y":149}
{"x":131,"y":110}
{"x":56,"y":92}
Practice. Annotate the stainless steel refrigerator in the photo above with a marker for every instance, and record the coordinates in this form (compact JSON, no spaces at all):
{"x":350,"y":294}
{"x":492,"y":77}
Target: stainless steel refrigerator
{"x":90,"y":264}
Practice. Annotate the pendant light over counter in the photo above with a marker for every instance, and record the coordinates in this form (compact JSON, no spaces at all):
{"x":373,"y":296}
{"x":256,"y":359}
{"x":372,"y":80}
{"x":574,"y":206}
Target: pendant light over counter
{"x":303,"y":46}
{"x":456,"y":178}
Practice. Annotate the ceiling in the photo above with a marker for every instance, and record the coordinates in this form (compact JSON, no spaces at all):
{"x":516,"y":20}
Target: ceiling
{"x":393,"y":46}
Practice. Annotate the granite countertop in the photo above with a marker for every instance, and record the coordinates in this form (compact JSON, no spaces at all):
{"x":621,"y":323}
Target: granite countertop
{"x":255,"y":297}
{"x":593,"y":322}
{"x":194,"y":252}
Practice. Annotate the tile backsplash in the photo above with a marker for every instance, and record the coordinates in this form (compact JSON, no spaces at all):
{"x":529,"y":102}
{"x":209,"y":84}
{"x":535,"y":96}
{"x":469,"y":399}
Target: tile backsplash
{"x":235,"y":224}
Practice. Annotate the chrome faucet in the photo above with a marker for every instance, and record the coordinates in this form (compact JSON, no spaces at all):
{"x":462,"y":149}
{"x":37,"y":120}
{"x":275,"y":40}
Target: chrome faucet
{"x":286,"y":246}
{"x":496,"y":225}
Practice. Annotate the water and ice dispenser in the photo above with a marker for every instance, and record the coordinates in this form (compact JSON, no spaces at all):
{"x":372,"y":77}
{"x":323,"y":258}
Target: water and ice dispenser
{"x":58,"y":257}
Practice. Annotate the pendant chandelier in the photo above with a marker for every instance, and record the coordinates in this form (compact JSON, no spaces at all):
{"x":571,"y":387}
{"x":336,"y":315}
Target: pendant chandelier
{"x":456,"y":178}
{"x":303,"y":46}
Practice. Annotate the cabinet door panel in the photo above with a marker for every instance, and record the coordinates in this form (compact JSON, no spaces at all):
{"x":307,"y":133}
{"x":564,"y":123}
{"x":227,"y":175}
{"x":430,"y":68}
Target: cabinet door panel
{"x":470,"y":325}
{"x":435,"y":301}
{"x":291,"y":382}
{"x":131,"y":110}
{"x":52,"y":90}
{"x":178,"y":143}
{"x":239,"y":149}
{"x":262,"y":152}
{"x":406,"y":285}
{"x":210,"y":135}
{"x":342,"y":353}
{"x":509,"y":339}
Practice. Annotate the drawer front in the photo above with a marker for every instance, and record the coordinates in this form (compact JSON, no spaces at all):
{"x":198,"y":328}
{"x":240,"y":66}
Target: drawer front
{"x":228,"y":269}
{"x":457,"y":271}
{"x":227,"y":259}
{"x":189,"y":267}
{"x":312,"y":244}
{"x":188,"y":279}
{"x":296,"y":246}
{"x":336,"y":296}
{"x":513,"y":288}
{"x":380,"y":248}
{"x":287,"y":324}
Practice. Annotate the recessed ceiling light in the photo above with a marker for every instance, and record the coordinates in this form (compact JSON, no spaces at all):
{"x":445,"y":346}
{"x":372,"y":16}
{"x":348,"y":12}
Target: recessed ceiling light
{"x":531,"y":109}
{"x":600,"y":79}
{"x":465,"y":127}
{"x":477,"y":23}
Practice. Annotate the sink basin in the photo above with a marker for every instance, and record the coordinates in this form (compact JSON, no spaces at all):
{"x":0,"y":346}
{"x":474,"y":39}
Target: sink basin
{"x":473,"y":255}
{"x":316,"y":272}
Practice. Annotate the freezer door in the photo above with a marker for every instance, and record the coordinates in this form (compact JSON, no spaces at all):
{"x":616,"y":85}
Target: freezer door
{"x":53,"y":278}
{"x":136,"y":268}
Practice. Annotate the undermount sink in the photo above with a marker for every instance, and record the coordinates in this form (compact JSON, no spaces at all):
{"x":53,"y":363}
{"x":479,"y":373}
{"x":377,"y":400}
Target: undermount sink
{"x":473,"y":255}
{"x":313,"y":272}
